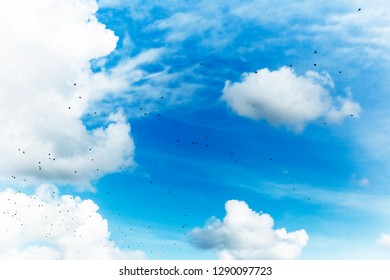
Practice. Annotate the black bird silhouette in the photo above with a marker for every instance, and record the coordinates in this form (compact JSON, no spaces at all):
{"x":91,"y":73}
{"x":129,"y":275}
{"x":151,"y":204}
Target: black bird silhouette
{"x":74,"y":84}
{"x":315,"y":64}
{"x":315,"y":52}
{"x":359,"y":10}
{"x":290,"y":65}
{"x":340,"y":72}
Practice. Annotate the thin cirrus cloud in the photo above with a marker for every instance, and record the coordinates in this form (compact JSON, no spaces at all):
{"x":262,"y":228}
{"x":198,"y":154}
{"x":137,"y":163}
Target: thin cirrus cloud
{"x":45,"y":225}
{"x":245,"y":234}
{"x":284,"y":98}
{"x":48,"y":87}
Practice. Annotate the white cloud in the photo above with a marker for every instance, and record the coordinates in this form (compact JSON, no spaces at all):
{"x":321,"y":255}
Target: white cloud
{"x":245,"y":234}
{"x":284,"y":98}
{"x":47,"y":48}
{"x":384,"y":241}
{"x":46,"y":225}
{"x":182,"y":25}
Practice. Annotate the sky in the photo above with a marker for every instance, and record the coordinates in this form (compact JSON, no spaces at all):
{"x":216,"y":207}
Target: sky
{"x":194,"y":129}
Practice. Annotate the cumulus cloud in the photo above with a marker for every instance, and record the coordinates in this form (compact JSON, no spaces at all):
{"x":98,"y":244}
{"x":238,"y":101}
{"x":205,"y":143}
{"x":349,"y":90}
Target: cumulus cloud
{"x":245,"y":234}
{"x":48,"y":87}
{"x":46,"y":225}
{"x":284,"y":98}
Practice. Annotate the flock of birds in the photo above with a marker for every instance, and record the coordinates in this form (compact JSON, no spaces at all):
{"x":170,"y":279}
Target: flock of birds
{"x":64,"y":224}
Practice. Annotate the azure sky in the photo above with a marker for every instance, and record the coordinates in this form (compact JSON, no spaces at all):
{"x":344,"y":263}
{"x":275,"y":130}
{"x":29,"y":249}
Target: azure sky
{"x":194,"y":129}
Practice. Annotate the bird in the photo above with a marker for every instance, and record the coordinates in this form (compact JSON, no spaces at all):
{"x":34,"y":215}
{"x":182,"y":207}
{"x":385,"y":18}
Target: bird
{"x":162,"y":97}
{"x":74,"y":84}
{"x":359,"y":10}
{"x":290,"y":65}
{"x":255,"y":72}
{"x":201,"y":63}
{"x":339,"y":72}
{"x":315,"y":64}
{"x":315,"y":52}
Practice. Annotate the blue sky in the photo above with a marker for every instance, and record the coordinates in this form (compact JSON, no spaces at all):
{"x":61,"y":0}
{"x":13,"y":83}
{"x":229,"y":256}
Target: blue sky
{"x":197,"y":130}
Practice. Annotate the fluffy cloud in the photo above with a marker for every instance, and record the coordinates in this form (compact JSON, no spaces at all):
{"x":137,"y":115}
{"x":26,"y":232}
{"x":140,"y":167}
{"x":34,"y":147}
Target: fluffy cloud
{"x":46,"y":225}
{"x":284,"y":98}
{"x":245,"y":234}
{"x":48,"y":88}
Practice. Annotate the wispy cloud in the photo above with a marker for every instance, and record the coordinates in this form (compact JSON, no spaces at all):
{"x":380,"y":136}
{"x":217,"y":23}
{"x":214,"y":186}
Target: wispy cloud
{"x":328,"y":197}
